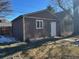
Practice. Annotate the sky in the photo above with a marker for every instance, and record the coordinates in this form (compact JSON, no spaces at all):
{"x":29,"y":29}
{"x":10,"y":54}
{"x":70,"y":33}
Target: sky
{"x":21,"y":7}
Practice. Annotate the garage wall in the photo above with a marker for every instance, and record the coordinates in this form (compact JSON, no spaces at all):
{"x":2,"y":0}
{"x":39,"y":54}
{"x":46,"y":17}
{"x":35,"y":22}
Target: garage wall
{"x":17,"y":28}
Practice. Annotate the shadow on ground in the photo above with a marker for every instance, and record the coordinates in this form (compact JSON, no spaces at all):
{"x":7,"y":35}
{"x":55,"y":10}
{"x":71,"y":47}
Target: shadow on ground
{"x":8,"y":51}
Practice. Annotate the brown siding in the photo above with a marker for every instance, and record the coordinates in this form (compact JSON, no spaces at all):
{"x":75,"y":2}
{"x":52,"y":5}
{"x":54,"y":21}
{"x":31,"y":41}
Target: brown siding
{"x":35,"y":33}
{"x":29,"y":27}
{"x":18,"y":28}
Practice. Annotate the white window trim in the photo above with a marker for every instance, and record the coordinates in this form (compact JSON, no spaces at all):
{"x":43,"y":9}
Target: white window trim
{"x":39,"y":24}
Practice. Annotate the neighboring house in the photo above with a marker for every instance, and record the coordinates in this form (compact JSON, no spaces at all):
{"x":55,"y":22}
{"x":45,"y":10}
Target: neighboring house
{"x":42,"y":23}
{"x":65,"y":24}
{"x":5,"y":27}
{"x":76,"y":16}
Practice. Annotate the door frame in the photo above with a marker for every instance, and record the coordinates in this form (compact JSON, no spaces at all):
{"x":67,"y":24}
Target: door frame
{"x":53,"y":31}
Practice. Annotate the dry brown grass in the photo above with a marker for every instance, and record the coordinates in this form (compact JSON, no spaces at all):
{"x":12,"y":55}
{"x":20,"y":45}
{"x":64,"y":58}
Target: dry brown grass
{"x":51,"y":51}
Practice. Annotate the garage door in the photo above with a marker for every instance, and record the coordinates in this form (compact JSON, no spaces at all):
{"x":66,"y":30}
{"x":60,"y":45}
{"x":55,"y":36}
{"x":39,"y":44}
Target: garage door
{"x":53,"y":28}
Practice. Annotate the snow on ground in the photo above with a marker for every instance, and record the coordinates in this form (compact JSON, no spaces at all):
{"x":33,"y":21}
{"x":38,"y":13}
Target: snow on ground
{"x":70,"y":39}
{"x":6,"y":39}
{"x":13,"y":45}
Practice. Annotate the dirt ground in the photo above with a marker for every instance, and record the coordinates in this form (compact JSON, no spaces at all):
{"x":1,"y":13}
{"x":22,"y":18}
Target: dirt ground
{"x":51,"y":51}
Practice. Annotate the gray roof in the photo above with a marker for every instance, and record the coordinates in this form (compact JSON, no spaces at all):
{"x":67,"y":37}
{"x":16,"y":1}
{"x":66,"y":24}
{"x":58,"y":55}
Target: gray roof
{"x":42,"y":14}
{"x":39,"y":14}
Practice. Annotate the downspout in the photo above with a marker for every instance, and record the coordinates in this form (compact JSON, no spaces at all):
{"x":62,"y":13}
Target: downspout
{"x":24,"y":28}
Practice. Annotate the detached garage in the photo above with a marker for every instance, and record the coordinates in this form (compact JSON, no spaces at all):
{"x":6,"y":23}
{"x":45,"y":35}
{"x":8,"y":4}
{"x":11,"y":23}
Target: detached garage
{"x":34,"y":25}
{"x":37,"y":25}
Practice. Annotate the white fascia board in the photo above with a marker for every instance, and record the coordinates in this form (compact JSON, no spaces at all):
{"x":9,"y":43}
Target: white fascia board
{"x":39,"y":18}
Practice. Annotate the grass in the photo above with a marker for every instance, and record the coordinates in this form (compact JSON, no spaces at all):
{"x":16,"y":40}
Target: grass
{"x":11,"y":50}
{"x":44,"y":50}
{"x":74,"y":50}
{"x":48,"y":51}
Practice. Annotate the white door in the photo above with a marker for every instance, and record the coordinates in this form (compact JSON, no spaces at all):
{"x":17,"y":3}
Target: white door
{"x":53,"y":28}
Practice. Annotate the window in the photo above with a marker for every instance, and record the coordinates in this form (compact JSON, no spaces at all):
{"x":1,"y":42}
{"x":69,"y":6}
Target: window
{"x":0,"y":21}
{"x":39,"y":24}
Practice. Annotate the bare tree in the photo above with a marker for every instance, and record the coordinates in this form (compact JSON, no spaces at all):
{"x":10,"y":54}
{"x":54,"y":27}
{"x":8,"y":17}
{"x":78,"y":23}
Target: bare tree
{"x":5,"y":7}
{"x":67,"y":7}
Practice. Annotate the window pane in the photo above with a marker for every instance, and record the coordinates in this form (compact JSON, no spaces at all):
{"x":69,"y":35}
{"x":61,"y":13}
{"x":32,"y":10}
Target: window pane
{"x":0,"y":21}
{"x":41,"y":24}
{"x":37,"y":24}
